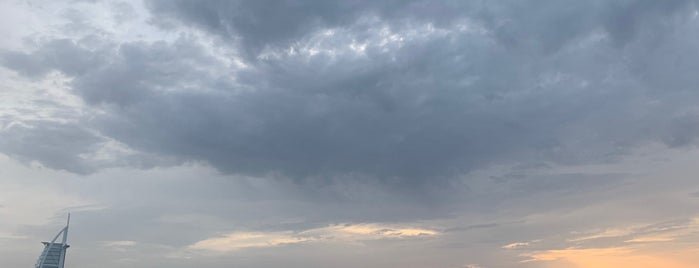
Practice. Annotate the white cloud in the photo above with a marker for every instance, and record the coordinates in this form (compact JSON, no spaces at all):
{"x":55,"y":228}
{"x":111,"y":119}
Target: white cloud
{"x":122,"y":245}
{"x":241,"y":240}
{"x":614,"y":232}
{"x":516,"y":245}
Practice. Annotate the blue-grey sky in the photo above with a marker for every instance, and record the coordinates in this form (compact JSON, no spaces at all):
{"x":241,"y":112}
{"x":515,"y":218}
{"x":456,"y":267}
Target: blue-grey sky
{"x":447,"y":134}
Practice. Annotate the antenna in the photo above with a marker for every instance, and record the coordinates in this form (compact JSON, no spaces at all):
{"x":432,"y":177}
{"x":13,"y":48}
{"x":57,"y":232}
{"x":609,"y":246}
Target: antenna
{"x":65,"y":232}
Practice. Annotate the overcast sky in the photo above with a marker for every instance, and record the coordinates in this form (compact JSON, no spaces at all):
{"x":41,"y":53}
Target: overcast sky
{"x":426,"y":134}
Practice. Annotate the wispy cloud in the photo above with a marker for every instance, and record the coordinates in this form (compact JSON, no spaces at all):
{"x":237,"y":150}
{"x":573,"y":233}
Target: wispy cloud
{"x":516,"y":245}
{"x":639,"y":245}
{"x":644,"y":233}
{"x":650,"y":239}
{"x":241,"y":240}
{"x":608,"y":233}
{"x":338,"y":233}
{"x":122,"y":245}
{"x":10,"y":236}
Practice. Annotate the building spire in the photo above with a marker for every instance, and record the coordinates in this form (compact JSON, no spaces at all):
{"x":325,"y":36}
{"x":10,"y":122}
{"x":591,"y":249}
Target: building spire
{"x":65,"y":231}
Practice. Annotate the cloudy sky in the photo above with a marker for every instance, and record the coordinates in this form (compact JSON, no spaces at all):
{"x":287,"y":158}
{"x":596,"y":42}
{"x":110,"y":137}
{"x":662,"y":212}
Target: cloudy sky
{"x":280,"y":133}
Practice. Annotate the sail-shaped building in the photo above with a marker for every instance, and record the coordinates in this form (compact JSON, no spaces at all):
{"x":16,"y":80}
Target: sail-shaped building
{"x":54,"y":254}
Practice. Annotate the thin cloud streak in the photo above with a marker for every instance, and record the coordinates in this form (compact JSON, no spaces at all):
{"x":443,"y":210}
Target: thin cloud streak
{"x":345,"y":233}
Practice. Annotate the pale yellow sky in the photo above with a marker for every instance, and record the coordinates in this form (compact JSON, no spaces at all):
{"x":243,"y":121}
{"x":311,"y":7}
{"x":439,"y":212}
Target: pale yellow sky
{"x":670,"y":257}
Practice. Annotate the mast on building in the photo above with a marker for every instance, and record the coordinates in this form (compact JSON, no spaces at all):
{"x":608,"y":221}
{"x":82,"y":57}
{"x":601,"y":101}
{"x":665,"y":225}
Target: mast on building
{"x":54,"y":254}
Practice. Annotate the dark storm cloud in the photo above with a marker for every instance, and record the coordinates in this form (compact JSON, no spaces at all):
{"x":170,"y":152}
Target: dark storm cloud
{"x":258,"y":24}
{"x":546,"y":25}
{"x":559,"y":81}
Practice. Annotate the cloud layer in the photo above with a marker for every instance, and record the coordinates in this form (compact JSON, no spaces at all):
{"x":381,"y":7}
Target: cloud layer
{"x":390,"y":91}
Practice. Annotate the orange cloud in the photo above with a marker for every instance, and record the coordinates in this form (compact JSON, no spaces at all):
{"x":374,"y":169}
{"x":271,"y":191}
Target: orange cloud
{"x":611,"y":258}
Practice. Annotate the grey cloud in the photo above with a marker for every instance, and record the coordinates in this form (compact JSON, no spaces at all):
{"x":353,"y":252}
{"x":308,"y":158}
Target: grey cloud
{"x":257,"y":24}
{"x":60,"y":54}
{"x":134,"y":71}
{"x":433,"y":106}
{"x":472,"y":227}
{"x":539,"y":25}
{"x":628,"y":18}
{"x":53,"y":144}
{"x":25,"y":64}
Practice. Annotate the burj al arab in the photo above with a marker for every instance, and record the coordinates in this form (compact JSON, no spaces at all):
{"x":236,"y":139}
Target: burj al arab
{"x":54,"y":254}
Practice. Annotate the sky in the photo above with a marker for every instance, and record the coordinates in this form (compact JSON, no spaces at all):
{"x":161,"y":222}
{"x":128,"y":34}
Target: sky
{"x":284,"y":133}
